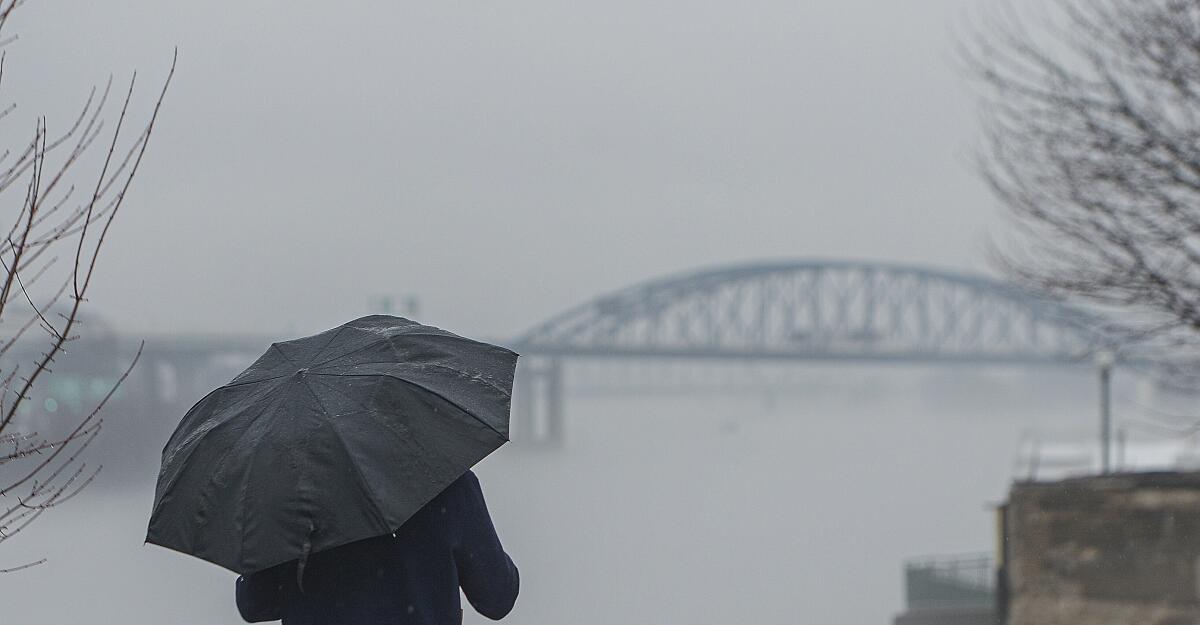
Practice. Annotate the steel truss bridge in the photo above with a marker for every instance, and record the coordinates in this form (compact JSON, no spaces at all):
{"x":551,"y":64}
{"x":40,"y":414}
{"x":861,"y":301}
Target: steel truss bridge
{"x":804,"y":311}
{"x":755,"y":315}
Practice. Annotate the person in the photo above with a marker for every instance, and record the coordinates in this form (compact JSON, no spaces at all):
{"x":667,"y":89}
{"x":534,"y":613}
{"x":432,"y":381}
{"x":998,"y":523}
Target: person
{"x":411,"y":577}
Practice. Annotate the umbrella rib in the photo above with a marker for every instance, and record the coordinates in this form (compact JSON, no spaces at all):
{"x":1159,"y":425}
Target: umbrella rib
{"x":453,"y":336}
{"x":349,"y":353}
{"x":423,"y":388}
{"x":420,"y":459}
{"x":218,"y":466}
{"x":333,"y":337}
{"x":232,"y":384}
{"x":362,"y":484}
{"x":449,"y":401}
{"x":408,"y":334}
{"x":485,"y":379}
{"x":275,"y":412}
{"x":195,"y":444}
{"x":275,"y":346}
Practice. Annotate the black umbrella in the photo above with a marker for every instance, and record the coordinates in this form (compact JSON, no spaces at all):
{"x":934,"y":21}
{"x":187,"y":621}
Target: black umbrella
{"x":329,"y":439}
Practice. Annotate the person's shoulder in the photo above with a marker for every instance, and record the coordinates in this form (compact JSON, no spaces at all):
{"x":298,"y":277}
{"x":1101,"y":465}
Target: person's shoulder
{"x":467,"y":484}
{"x":460,"y":489}
{"x":468,"y":479}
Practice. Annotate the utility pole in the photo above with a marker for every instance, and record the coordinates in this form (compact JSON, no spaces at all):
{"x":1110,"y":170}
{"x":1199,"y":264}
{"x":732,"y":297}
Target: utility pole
{"x":1104,"y":362}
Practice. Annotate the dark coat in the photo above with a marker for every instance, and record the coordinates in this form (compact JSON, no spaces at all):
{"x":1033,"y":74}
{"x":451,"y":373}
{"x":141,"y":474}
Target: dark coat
{"x":411,"y":577}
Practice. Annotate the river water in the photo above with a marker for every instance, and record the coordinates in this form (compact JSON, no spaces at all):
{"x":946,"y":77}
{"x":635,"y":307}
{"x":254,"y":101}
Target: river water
{"x":701,"y":510}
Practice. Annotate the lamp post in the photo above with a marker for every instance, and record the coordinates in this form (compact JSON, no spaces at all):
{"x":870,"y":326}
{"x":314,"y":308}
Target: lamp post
{"x":1104,"y":363}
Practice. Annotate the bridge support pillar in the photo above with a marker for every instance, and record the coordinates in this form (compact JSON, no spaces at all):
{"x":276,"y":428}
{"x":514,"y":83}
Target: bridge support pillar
{"x":554,"y":401}
{"x":538,"y":400}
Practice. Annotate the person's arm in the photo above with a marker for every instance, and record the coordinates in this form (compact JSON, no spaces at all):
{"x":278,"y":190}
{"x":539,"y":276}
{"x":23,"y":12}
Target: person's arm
{"x":259,"y":596}
{"x":486,"y":574}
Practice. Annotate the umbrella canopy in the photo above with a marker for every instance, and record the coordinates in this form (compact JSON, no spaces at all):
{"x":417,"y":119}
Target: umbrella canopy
{"x":329,"y":439}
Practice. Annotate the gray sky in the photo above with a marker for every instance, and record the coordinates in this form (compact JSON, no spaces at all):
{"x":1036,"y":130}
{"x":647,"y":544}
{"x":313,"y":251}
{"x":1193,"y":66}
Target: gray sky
{"x":507,"y":160}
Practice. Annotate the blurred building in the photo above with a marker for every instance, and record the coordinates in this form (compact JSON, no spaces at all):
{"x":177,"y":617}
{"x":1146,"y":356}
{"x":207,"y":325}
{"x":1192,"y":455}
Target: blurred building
{"x":171,"y":374}
{"x":1121,"y":549}
{"x":949,"y":590}
{"x":1118,"y":549}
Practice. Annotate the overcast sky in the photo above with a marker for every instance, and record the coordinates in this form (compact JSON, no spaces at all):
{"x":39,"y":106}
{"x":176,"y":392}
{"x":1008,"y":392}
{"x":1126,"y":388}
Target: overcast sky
{"x":507,"y":160}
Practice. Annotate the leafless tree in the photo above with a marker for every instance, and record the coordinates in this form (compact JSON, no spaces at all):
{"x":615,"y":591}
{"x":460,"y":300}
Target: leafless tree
{"x":1091,"y":110}
{"x":63,"y":211}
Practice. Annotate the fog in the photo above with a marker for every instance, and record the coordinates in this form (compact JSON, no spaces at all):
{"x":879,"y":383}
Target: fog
{"x":501,"y":163}
{"x":504,"y":162}
{"x":699,"y":510}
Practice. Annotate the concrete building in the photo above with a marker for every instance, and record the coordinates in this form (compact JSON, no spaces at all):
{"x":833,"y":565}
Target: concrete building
{"x":1120,"y":549}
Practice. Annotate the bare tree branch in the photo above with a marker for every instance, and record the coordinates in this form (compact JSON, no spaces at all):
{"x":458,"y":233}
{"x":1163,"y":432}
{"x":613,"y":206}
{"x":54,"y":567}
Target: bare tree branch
{"x":39,"y":472}
{"x":1091,"y":140}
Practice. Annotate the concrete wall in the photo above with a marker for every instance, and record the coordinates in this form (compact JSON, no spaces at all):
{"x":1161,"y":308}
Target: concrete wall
{"x":1112,"y":550}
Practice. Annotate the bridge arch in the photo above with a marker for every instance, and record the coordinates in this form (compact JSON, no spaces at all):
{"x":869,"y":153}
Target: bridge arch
{"x":823,"y":310}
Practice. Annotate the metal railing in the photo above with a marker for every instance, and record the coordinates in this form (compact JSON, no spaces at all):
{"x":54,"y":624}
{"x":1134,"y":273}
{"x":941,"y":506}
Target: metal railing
{"x":950,"y":582}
